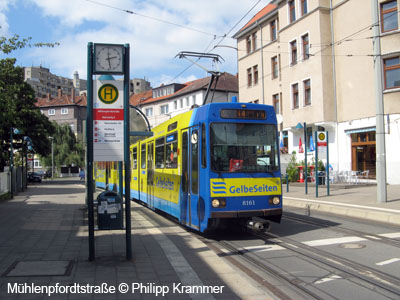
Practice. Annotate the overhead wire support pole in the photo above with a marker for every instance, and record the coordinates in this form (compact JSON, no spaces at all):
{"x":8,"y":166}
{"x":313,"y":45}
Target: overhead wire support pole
{"x":380,"y":120}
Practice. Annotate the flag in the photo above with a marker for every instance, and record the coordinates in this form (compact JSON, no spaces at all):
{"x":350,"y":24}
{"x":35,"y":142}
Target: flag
{"x":301,"y":150}
{"x":311,"y":144}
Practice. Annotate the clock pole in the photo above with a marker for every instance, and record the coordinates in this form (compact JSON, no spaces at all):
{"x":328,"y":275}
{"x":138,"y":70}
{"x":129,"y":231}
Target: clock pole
{"x":89,"y":152}
{"x":126,"y":155}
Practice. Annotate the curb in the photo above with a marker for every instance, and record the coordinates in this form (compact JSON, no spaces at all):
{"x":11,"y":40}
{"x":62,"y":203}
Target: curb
{"x":375,"y":214}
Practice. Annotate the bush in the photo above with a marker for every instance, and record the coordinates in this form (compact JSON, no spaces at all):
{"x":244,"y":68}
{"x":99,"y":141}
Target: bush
{"x":291,"y":169}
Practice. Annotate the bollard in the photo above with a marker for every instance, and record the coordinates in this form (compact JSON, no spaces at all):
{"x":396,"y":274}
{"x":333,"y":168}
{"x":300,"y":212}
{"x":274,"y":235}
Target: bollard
{"x":287,"y":183}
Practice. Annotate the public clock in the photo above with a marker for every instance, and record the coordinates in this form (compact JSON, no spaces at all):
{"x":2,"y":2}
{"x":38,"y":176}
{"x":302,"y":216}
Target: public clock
{"x":108,"y":59}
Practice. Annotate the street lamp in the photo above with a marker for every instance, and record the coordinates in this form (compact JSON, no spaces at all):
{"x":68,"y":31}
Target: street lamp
{"x":12,"y":132}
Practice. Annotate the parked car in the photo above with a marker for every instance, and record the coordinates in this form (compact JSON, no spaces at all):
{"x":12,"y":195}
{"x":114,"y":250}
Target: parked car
{"x":41,"y":174}
{"x":34,"y":177}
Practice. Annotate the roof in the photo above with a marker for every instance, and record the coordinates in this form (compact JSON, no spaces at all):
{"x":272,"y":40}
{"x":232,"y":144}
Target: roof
{"x":265,"y":11}
{"x":226,"y":82}
{"x":63,"y":100}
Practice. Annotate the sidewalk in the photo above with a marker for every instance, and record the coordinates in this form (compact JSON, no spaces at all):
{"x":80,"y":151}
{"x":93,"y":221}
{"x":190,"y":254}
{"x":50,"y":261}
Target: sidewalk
{"x":44,"y":249}
{"x":357,"y":201}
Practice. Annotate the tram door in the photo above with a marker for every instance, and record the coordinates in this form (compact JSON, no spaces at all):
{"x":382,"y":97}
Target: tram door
{"x":194,"y":174}
{"x":150,"y":175}
{"x":185,"y":180}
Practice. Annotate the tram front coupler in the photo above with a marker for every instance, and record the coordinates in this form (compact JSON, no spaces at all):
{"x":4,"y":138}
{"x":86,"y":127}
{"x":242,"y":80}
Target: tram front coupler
{"x":259,"y":225}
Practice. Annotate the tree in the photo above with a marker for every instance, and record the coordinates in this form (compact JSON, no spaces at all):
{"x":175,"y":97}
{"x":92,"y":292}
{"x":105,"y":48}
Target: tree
{"x":67,"y":151}
{"x":17,"y":103}
{"x":18,"y":110}
{"x":8,"y":45}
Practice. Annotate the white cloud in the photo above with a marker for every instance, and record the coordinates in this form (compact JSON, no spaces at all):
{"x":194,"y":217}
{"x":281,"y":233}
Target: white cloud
{"x":154,"y":44}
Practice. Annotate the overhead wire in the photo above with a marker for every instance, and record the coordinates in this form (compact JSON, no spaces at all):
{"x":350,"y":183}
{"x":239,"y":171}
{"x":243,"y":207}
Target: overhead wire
{"x":151,"y":18}
{"x":339,"y":42}
{"x":222,"y":38}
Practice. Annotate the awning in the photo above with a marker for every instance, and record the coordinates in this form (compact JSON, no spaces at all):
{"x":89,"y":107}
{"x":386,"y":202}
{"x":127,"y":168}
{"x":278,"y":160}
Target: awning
{"x":359,"y":130}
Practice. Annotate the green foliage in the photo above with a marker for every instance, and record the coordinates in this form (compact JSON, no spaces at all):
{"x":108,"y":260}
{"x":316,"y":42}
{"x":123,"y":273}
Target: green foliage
{"x":67,"y":151}
{"x":8,"y":45}
{"x":18,"y":110}
{"x":291,"y":170}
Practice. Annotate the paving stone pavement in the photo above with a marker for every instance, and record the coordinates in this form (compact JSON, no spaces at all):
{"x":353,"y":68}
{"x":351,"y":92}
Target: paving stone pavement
{"x":43,"y":233}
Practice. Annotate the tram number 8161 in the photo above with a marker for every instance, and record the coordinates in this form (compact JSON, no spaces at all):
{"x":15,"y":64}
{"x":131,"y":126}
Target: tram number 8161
{"x":248,"y":202}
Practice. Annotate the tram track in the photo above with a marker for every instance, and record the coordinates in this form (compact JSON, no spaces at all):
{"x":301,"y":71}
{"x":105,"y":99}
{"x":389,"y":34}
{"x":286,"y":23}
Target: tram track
{"x":353,"y":269}
{"x":365,"y":235}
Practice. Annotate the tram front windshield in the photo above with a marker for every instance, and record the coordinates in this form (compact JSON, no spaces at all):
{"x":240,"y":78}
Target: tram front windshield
{"x":244,"y":147}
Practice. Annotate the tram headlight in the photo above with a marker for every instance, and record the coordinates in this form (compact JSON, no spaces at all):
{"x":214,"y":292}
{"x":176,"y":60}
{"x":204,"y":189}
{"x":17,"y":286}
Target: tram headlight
{"x":274,"y":200}
{"x":218,"y":203}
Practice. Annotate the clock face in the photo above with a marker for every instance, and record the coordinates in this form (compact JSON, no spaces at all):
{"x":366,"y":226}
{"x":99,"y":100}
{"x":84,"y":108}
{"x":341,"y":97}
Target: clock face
{"x":108,"y":58}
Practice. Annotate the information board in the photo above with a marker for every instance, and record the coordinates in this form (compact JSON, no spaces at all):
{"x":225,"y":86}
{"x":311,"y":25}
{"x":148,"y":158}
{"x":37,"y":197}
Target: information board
{"x":108,"y":121}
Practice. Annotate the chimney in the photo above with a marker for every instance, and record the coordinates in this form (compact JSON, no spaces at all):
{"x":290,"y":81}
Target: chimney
{"x":59,"y":93}
{"x":48,"y":97}
{"x":73,"y":95}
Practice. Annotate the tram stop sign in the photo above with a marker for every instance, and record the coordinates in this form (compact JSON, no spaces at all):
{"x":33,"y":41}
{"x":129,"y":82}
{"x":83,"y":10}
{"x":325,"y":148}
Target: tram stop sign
{"x":321,"y":142}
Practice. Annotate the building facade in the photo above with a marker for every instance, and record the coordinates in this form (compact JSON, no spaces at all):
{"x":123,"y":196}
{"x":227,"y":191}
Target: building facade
{"x":44,"y":82}
{"x":313,"y":61}
{"x":166,"y":101}
{"x":65,"y":109}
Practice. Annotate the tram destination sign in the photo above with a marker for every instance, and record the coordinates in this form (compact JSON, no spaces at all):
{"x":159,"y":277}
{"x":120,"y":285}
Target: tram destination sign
{"x":108,"y":121}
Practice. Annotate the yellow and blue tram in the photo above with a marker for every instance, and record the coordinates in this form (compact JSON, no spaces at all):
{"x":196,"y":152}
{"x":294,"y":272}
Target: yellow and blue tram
{"x":216,"y":164}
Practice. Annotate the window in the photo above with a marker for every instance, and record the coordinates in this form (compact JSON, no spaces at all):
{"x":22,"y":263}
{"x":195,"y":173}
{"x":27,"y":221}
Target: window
{"x":295,"y":95}
{"x":52,"y":112}
{"x":248,"y":44}
{"x":293,"y":52}
{"x":64,"y":111}
{"x":389,"y":18}
{"x":306,"y":47}
{"x":180,"y":103}
{"x":255,"y":73}
{"x":175,"y":105}
{"x":203,"y":146}
{"x":238,"y":147}
{"x":172,"y":151}
{"x":275,"y":103}
{"x":134,"y":158}
{"x":274,"y":67}
{"x":273,"y":30}
{"x":160,"y":153}
{"x":143,"y":157}
{"x":391,"y":68}
{"x":249,"y":77}
{"x":292,"y":11}
{"x":254,"y":41}
{"x":149,"y":112}
{"x":303,"y":7}
{"x":307,"y":92}
{"x":164,"y":108}
{"x":187,"y":101}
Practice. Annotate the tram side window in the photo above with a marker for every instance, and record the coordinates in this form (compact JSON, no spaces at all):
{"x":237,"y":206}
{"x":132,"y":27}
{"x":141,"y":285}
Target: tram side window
{"x":203,"y":147}
{"x":172,"y":151}
{"x":160,"y":153}
{"x":143,"y":157}
{"x":134,"y":158}
{"x":195,"y":164}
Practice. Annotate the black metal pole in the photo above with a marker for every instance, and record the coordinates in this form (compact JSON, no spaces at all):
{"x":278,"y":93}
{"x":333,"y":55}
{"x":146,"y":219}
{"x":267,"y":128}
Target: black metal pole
{"x":89,"y":152}
{"x":316,"y":166}
{"x":127,"y":155}
{"x":327,"y":162}
{"x":305,"y":156}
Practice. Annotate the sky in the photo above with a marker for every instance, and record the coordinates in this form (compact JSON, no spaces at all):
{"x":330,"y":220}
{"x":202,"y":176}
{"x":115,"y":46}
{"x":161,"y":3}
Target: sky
{"x":156,"y":30}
